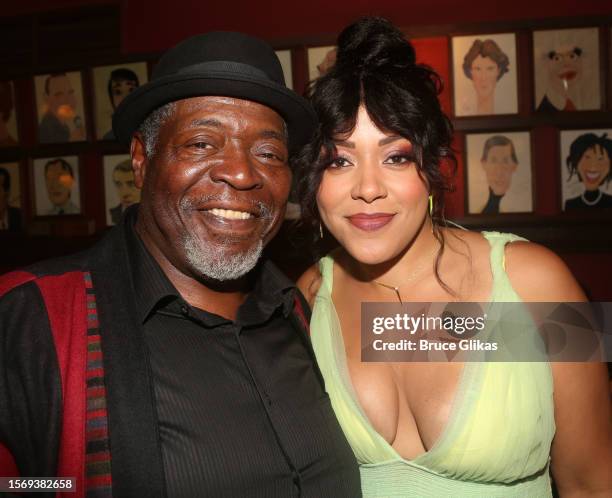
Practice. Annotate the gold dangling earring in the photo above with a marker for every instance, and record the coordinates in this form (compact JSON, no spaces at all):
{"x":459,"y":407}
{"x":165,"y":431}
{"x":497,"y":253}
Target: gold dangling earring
{"x":320,"y":229}
{"x":431,"y":211}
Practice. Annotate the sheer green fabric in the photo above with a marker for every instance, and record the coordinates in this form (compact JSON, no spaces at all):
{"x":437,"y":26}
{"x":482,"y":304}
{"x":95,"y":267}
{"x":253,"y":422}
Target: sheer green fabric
{"x":497,"y":440}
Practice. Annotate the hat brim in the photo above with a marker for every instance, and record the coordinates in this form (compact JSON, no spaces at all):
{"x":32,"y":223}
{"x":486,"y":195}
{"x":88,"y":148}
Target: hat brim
{"x":135,"y":108}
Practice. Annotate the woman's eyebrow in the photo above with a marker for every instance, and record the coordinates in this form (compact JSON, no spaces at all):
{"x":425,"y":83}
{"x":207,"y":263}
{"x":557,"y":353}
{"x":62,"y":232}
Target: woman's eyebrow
{"x":388,"y":140}
{"x":382,"y":141}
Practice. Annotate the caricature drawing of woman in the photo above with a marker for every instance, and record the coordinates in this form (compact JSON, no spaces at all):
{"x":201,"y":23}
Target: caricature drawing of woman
{"x":485,"y":64}
{"x":589,"y":159}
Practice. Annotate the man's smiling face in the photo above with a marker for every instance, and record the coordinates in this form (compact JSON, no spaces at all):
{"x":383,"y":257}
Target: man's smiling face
{"x":215,"y":190}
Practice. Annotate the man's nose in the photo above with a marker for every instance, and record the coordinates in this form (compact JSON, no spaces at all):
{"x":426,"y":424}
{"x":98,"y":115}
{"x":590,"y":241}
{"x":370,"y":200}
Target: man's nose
{"x":369,"y":184}
{"x":237,"y":168}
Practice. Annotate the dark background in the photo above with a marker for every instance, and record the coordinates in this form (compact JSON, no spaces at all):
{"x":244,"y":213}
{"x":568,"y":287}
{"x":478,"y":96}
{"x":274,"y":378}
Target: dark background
{"x":43,"y":36}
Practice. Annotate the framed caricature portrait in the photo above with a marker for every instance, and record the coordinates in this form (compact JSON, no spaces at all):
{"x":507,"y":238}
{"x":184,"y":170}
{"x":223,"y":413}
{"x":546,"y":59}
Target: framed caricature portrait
{"x":8,"y":119}
{"x":56,"y":186}
{"x":320,"y":60}
{"x":119,"y":189}
{"x":11,"y":216}
{"x":485,"y":75}
{"x":585,"y":169}
{"x":499,"y":173}
{"x":566,"y":70}
{"x":111,"y":85}
{"x":284,"y":56}
{"x":59,"y":104}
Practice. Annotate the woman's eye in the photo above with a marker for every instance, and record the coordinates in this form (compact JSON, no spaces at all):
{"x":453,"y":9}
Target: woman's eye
{"x":339,"y":162}
{"x":399,"y":159}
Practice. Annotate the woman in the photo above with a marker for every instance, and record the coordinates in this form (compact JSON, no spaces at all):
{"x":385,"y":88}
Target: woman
{"x":369,"y":177}
{"x":484,"y":64}
{"x":589,"y":159}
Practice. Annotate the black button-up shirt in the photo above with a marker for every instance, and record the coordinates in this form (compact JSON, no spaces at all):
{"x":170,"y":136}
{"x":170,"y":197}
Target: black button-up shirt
{"x":240,"y":405}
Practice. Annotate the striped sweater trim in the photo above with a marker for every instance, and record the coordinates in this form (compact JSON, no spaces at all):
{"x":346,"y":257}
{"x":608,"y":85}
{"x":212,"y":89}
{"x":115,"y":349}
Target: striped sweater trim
{"x":98,"y":481}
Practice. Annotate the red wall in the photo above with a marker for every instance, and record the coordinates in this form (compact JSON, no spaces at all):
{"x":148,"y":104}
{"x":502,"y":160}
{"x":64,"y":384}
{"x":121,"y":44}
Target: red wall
{"x":151,"y":26}
{"x":154,"y":25}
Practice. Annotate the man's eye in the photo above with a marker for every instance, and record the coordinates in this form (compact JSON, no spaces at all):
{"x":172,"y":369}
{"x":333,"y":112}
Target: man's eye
{"x":200,"y":145}
{"x":272,"y":156}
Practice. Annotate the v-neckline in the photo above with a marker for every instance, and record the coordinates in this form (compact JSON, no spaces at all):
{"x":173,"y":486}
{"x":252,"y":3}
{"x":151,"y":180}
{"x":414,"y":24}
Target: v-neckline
{"x":459,"y":405}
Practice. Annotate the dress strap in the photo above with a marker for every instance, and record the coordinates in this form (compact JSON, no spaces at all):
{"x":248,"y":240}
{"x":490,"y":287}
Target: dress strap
{"x":502,"y":287}
{"x":326,"y":267}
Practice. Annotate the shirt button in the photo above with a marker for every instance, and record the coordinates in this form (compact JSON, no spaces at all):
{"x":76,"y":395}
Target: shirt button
{"x":184,"y":310}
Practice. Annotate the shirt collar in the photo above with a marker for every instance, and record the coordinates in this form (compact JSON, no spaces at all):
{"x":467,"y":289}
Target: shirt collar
{"x":152,"y":288}
{"x":151,"y":285}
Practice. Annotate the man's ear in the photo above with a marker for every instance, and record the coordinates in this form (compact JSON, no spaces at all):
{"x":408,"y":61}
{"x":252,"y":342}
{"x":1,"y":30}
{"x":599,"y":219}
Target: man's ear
{"x":139,"y":159}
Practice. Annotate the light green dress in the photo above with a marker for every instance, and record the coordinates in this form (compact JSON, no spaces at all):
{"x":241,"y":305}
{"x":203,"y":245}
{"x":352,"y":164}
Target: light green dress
{"x":497,"y":440}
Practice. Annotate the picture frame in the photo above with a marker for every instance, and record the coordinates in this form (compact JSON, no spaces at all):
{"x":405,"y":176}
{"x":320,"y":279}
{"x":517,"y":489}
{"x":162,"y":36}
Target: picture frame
{"x":9,"y":133}
{"x":57,"y":189}
{"x":11,"y":211}
{"x":485,"y":74}
{"x":567,"y":70}
{"x":111,"y":85}
{"x":119,"y":189}
{"x":320,"y":60}
{"x":499,"y":175}
{"x":284,"y":56}
{"x":585,"y":170}
{"x":60,"y":108}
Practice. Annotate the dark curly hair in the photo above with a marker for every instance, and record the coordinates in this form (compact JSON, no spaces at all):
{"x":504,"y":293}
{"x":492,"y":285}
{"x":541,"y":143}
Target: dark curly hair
{"x":376,"y":67}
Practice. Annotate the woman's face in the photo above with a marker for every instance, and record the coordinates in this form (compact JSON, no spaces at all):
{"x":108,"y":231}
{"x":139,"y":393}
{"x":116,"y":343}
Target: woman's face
{"x":371,"y":197}
{"x":594,"y":167}
{"x":485,"y":72}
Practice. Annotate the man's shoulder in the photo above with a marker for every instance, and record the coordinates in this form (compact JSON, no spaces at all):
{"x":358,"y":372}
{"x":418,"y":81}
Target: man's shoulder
{"x":55,"y":267}
{"x":100,"y":258}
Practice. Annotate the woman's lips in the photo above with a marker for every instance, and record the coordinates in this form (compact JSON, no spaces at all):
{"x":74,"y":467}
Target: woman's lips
{"x":568,"y":75}
{"x":370,"y":222}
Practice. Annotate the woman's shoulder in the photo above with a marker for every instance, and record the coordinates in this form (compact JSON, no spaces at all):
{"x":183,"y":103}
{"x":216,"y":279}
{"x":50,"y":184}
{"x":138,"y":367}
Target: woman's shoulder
{"x":538,"y":274}
{"x":535,"y":272}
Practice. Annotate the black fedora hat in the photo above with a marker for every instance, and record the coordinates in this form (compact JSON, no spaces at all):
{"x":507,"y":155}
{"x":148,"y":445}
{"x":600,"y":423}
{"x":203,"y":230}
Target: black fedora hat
{"x":221,"y":64}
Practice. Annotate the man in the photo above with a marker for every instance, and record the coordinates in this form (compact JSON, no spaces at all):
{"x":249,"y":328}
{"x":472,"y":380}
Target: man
{"x":59,"y":179}
{"x":10,"y":217}
{"x":60,"y":123}
{"x":121,"y":83}
{"x":200,"y":376}
{"x":499,"y":163}
{"x":127,"y":191}
{"x":7,"y":107}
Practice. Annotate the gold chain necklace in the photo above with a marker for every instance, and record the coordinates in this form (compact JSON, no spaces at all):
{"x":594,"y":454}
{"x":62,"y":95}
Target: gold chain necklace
{"x":410,"y":277}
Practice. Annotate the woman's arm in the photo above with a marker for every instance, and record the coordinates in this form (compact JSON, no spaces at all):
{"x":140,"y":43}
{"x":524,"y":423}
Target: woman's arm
{"x":581,"y":454}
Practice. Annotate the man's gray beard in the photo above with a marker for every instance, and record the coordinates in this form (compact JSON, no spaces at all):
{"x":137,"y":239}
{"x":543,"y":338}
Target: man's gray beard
{"x":212,"y":262}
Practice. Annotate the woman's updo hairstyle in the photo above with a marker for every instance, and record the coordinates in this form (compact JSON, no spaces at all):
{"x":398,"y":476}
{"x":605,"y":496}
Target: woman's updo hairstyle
{"x":376,"y":66}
